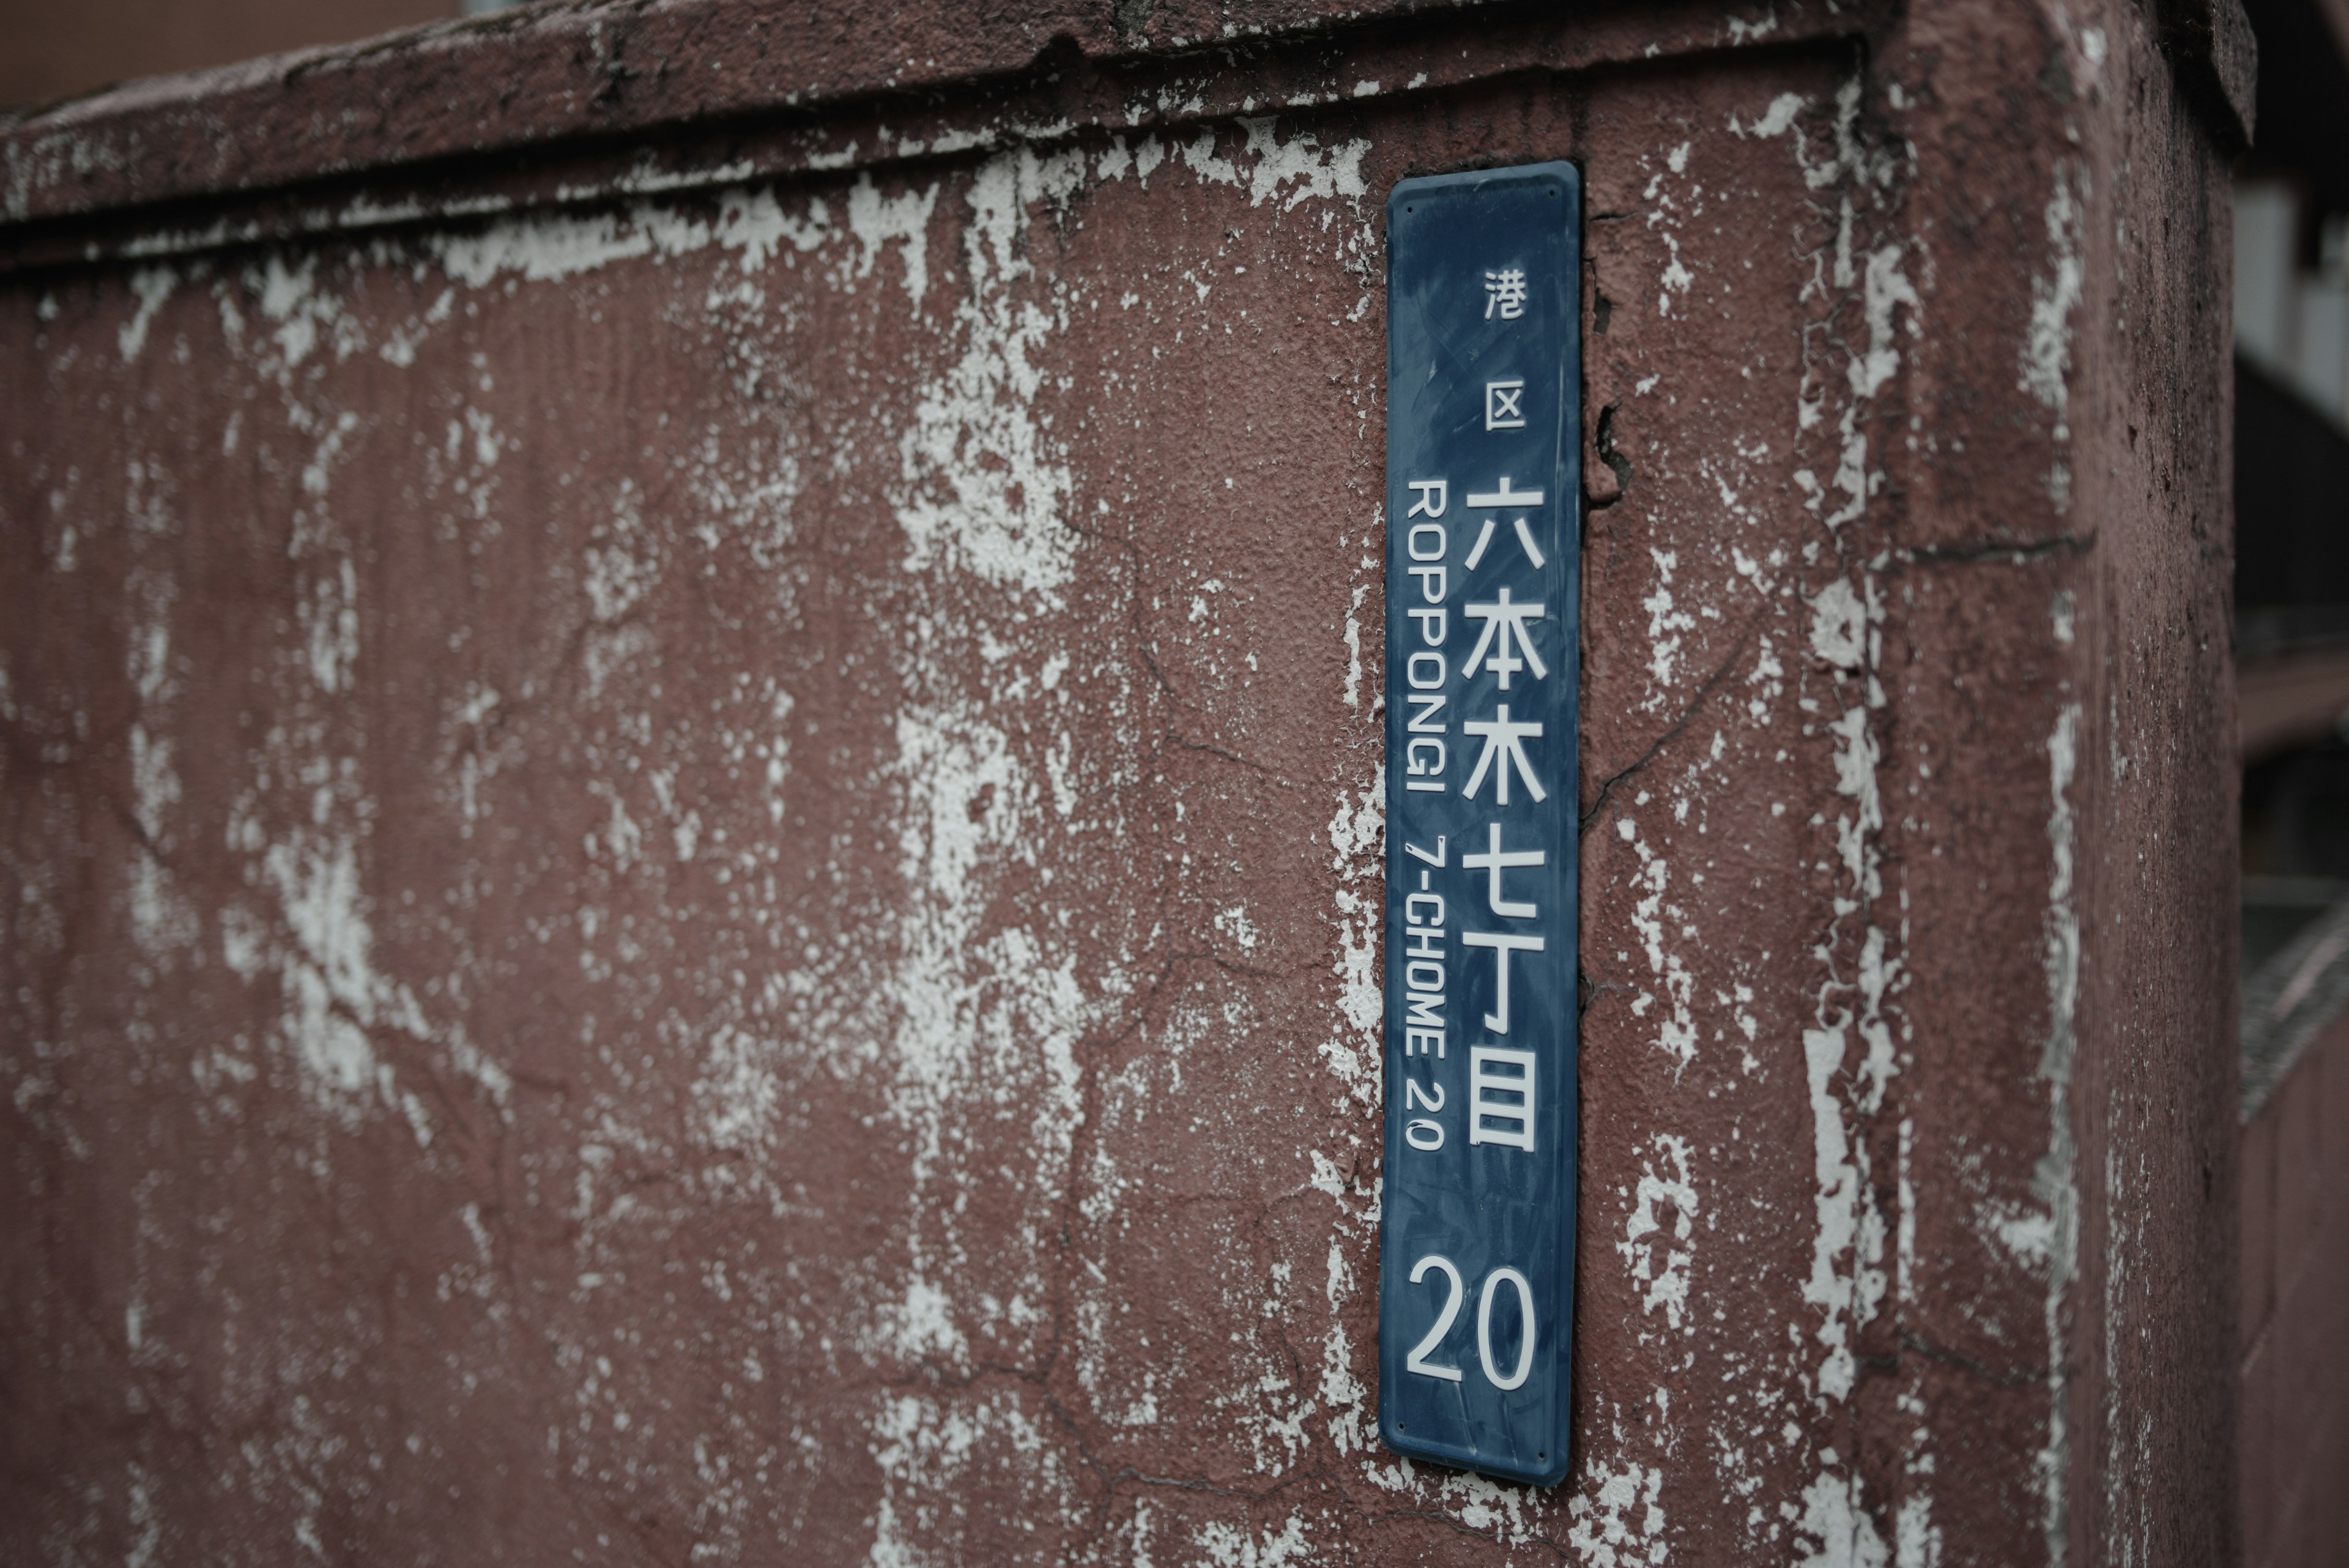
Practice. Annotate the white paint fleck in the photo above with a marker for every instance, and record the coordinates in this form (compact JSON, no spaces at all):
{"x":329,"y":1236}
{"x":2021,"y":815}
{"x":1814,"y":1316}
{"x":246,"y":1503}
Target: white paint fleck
{"x":1318,"y":172}
{"x":334,"y":996}
{"x":1619,"y":1519}
{"x":1233,"y":1546}
{"x":983,"y":483}
{"x":1884,"y":288}
{"x":1676,"y":1034}
{"x":330,"y":625}
{"x":1837,"y":1520}
{"x":1358,"y":839}
{"x":1352,"y":694}
{"x":1665,"y":1280}
{"x":1665,"y":623}
{"x":2047,"y":346}
{"x":153,"y":285}
{"x":1776,"y":119}
{"x":545,"y":247}
{"x":1839,"y":625}
{"x":2053,"y":1182}
{"x":875,"y":220}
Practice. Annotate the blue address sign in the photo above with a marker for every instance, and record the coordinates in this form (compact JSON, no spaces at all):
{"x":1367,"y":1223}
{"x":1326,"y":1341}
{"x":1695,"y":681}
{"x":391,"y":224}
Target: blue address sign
{"x":1484,"y":627}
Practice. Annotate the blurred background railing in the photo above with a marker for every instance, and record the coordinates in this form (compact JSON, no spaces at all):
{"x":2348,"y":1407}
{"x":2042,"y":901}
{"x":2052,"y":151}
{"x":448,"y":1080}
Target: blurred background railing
{"x":2292,"y":649}
{"x":2291,"y":475}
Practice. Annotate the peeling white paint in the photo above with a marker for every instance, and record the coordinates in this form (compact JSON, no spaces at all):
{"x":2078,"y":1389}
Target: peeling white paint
{"x":926,"y":1446}
{"x":1665,"y":624}
{"x":1848,"y":1280}
{"x":1676,"y":1034}
{"x":1836,"y":1516}
{"x":1666,"y":1278}
{"x":2055,"y":296}
{"x":1232,"y":1546}
{"x":876,"y":220}
{"x":985,"y":485}
{"x":152,"y":286}
{"x":1357,"y":1055}
{"x":1269,"y":165}
{"x":2054,"y":1182}
{"x":1618,"y":1518}
{"x":334,"y":996}
{"x":545,"y":247}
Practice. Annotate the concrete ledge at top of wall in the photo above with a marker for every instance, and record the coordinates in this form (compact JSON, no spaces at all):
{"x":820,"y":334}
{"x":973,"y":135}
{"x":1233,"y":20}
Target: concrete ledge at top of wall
{"x":674,"y":93}
{"x":504,"y":77}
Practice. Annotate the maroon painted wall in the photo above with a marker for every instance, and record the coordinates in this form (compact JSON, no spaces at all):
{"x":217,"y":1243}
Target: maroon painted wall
{"x":691,"y":829}
{"x":2295,"y":1313}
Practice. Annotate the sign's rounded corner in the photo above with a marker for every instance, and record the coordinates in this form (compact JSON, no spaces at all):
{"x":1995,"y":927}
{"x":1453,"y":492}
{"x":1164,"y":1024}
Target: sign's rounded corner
{"x":1407,"y":188}
{"x":1567,"y":172}
{"x":1553,"y":1476}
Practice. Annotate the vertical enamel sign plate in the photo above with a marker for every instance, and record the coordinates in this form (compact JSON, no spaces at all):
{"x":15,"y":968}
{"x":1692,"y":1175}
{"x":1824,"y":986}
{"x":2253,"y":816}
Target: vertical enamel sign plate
{"x":1484,"y":583}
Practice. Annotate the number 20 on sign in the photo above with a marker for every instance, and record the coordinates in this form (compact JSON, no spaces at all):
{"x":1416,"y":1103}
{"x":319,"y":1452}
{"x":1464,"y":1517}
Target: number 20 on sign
{"x":1484,"y":583}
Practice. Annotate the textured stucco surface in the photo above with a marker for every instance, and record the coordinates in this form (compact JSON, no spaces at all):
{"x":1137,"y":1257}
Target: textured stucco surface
{"x":2295,"y":1293}
{"x":695,"y":876}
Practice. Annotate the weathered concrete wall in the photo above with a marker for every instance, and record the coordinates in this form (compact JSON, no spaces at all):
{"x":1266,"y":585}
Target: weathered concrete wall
{"x":692,"y":870}
{"x":2295,"y":1258}
{"x":2143,"y":742}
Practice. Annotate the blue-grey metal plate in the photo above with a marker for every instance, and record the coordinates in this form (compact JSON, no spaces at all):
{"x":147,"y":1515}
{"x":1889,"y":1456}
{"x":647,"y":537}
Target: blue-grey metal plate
{"x":1484,"y":583}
